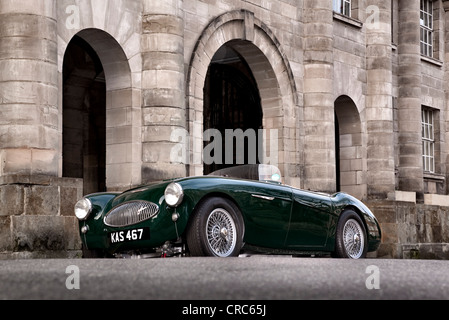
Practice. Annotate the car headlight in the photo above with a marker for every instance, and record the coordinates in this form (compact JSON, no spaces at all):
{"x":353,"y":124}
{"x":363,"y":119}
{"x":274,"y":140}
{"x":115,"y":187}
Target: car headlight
{"x":83,"y":208}
{"x":174,"y":194}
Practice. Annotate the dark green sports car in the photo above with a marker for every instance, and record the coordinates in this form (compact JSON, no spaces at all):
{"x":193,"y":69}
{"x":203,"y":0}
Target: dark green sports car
{"x":244,"y":208}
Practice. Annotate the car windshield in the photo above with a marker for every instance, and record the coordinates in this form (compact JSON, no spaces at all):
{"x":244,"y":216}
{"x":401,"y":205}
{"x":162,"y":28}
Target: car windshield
{"x":258,"y":172}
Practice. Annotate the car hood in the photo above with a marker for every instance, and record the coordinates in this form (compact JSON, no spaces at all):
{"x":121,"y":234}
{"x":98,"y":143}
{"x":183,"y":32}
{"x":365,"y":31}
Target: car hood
{"x":153,"y":192}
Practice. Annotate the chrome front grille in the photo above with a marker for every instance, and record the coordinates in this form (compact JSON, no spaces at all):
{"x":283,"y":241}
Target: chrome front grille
{"x":130,"y":213}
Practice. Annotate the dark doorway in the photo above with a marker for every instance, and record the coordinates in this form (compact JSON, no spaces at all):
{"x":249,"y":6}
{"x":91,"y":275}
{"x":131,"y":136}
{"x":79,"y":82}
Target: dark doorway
{"x":231,"y":101}
{"x":84,"y":116}
{"x":337,"y":153}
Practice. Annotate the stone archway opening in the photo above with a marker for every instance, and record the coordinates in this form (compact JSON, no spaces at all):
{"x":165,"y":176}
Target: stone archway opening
{"x":84,"y":116}
{"x":232,"y":104}
{"x":101,"y":115}
{"x":349,"y":148}
{"x":256,"y":44}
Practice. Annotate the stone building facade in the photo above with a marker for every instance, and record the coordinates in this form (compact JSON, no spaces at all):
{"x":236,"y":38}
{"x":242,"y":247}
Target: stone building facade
{"x":350,"y":94}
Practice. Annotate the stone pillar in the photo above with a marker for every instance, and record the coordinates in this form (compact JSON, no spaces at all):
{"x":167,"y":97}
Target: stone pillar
{"x":163,"y":88}
{"x":29,"y":137}
{"x":379,"y":101}
{"x":319,"y":117}
{"x":410,"y":168}
{"x":36,"y":215}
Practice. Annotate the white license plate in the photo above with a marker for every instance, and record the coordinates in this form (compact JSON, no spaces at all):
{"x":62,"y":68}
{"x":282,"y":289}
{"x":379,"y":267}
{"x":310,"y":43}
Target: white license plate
{"x":129,"y":235}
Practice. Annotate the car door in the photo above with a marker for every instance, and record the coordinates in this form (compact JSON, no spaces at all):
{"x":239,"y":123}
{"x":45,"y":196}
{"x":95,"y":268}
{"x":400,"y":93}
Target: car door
{"x":310,"y":218}
{"x":267,"y":209}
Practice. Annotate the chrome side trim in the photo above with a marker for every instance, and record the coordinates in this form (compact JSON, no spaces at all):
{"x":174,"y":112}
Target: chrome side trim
{"x":262,"y":197}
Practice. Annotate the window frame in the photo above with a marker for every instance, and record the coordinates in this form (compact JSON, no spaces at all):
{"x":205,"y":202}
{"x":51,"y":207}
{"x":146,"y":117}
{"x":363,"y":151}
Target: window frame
{"x":428,"y":139}
{"x":426,"y":28}
{"x":343,"y":7}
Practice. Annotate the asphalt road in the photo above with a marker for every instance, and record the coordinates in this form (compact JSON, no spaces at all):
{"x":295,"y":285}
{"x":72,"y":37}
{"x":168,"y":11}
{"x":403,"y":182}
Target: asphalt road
{"x":243,"y":278}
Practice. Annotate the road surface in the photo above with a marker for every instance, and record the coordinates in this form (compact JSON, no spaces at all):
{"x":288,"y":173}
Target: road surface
{"x":243,"y":278}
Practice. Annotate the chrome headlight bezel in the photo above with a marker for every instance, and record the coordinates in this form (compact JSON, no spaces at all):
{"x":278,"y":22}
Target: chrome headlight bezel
{"x":83,"y":208}
{"x":174,"y":194}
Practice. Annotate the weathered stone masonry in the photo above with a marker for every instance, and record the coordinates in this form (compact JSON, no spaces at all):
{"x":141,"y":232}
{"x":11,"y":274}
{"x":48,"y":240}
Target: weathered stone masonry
{"x":344,"y":90}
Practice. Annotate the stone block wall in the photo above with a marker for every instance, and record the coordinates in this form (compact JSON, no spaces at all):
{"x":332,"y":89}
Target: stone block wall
{"x":36,"y":217}
{"x":411,"y":230}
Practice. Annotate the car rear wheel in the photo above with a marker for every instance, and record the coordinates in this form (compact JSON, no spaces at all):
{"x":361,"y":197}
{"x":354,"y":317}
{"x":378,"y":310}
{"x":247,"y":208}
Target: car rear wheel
{"x":216,"y":229}
{"x":351,"y":240}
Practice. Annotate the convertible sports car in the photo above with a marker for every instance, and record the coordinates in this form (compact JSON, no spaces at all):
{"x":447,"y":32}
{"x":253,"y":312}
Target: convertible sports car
{"x":224,"y":214}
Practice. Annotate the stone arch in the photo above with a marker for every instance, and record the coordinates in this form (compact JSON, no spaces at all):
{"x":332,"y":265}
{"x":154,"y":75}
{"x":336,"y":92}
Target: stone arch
{"x":256,"y":43}
{"x":123,"y":112}
{"x":351,"y":165}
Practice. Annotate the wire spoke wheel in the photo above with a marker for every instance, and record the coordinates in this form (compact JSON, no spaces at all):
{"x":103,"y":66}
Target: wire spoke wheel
{"x":353,"y":239}
{"x":216,"y":229}
{"x":221,"y":232}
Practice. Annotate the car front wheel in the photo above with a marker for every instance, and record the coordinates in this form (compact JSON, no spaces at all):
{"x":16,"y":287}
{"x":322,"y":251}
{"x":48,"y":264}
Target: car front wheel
{"x":216,"y":229}
{"x":351,"y":240}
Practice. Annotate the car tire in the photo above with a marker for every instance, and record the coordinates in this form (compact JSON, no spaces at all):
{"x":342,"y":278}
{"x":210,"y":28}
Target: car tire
{"x":350,"y":239}
{"x":216,"y":229}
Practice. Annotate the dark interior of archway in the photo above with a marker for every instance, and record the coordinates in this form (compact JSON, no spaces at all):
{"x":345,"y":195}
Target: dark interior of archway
{"x":231,"y":101}
{"x":84,"y":116}
{"x":337,"y":153}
